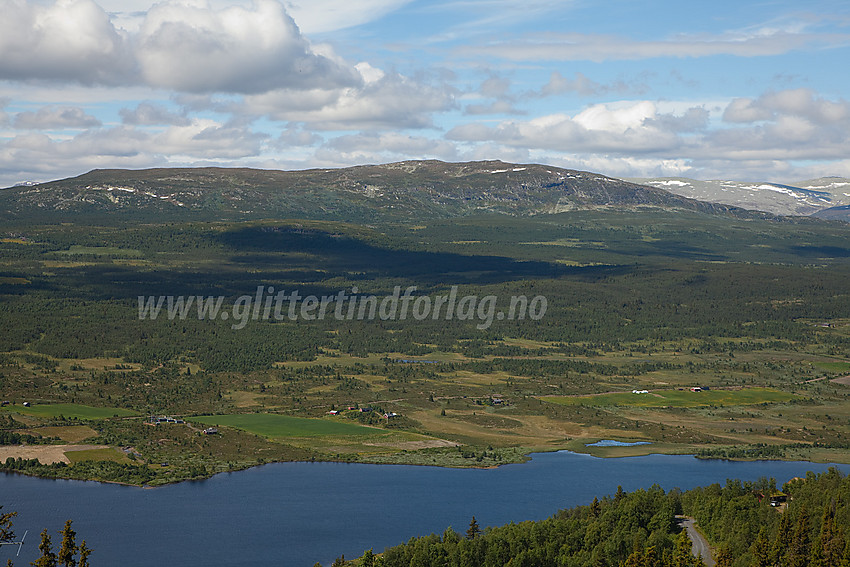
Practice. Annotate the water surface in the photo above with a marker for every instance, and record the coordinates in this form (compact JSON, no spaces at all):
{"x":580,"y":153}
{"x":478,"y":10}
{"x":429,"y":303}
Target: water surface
{"x":296,"y":514}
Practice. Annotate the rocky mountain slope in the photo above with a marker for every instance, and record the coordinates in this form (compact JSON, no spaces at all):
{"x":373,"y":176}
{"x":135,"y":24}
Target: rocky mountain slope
{"x":398,"y":191}
{"x":798,"y":198}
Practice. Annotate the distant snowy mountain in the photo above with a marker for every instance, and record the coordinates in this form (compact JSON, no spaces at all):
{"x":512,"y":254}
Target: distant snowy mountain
{"x":800,"y":198}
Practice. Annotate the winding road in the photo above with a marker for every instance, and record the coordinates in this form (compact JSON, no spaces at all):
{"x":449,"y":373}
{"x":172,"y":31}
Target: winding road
{"x":700,"y":545}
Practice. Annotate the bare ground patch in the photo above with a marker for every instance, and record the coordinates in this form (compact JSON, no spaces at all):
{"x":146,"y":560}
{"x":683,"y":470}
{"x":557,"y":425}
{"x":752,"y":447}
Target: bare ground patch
{"x":845,"y":380}
{"x":415,"y":445}
{"x":46,"y":454}
{"x":68,"y":433}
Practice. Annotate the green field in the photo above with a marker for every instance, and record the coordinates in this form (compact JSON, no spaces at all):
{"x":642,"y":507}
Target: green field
{"x":833,"y":366}
{"x":679,"y":398}
{"x":69,"y":410}
{"x":282,"y":426}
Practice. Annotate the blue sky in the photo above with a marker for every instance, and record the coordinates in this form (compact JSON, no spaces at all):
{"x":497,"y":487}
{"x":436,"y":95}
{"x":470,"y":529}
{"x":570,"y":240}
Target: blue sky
{"x":732,"y":90}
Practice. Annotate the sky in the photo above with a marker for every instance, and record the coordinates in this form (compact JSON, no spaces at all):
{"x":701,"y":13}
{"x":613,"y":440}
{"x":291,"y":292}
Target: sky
{"x":753,"y":91}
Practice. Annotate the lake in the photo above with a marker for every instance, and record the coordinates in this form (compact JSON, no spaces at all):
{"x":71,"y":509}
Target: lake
{"x":297,"y":514}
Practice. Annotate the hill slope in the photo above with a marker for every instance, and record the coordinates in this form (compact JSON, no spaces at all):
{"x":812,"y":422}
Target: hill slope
{"x":397,"y":191}
{"x":799,"y":198}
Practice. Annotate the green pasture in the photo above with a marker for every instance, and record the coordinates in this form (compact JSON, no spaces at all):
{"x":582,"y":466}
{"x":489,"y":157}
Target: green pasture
{"x":68,"y":410}
{"x":833,"y":366}
{"x":678,"y":398}
{"x":281,"y":426}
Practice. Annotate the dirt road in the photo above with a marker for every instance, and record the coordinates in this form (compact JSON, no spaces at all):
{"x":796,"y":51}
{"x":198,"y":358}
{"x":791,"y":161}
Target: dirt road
{"x":700,"y":545}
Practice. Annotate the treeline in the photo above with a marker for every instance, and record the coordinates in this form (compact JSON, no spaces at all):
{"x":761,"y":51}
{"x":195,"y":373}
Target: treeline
{"x":640,"y":529}
{"x":604,"y":533}
{"x":764,"y":451}
{"x":13,"y":438}
{"x":107,"y":471}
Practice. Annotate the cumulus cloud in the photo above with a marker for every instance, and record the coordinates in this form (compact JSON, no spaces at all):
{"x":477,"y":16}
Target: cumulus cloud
{"x":498,"y":88}
{"x":4,"y":117}
{"x":71,"y":40}
{"x":383,"y":100}
{"x":55,"y":117}
{"x":394,"y":143}
{"x":793,"y":102}
{"x":195,"y":49}
{"x":692,"y":120}
{"x":125,"y":146}
{"x":210,"y":140}
{"x":558,"y":84}
{"x":149,"y":114}
{"x":296,"y":137}
{"x":633,"y":127}
{"x":187,"y":47}
{"x":382,"y":148}
{"x":637,"y":138}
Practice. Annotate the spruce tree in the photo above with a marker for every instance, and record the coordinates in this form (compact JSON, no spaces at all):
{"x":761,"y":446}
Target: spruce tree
{"x":84,"y":554}
{"x":48,"y":558}
{"x":798,"y":555}
{"x":682,"y":556}
{"x":595,"y":508}
{"x":473,"y":531}
{"x":761,"y":550}
{"x":68,"y":549}
{"x":723,"y":557}
{"x":6,"y":533}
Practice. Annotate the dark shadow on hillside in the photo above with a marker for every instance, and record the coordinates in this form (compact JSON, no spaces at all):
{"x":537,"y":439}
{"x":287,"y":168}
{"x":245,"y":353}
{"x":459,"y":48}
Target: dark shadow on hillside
{"x":811,"y":251}
{"x":343,"y":255}
{"x":305,"y":261}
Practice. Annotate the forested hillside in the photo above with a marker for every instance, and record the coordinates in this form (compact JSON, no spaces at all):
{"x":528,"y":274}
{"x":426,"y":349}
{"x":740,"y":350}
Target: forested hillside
{"x":640,"y":529}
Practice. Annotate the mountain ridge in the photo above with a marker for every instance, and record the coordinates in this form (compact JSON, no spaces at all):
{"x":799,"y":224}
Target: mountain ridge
{"x":808,"y":197}
{"x":402,"y":191}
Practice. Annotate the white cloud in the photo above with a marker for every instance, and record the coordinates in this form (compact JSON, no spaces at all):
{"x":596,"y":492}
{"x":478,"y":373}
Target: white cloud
{"x":495,"y":107}
{"x":383,"y":101}
{"x":394,"y":143}
{"x":794,"y":102}
{"x":196,"y":49}
{"x":209,"y":140}
{"x":55,"y":117}
{"x":4,"y":117}
{"x":743,"y":110}
{"x":558,"y":84}
{"x":620,"y":166}
{"x":296,"y":137}
{"x":71,"y":40}
{"x":619,"y":128}
{"x":185,"y":46}
{"x":316,"y":16}
{"x":598,"y":48}
{"x":790,"y":126}
{"x":125,"y":147}
{"x":150,"y":114}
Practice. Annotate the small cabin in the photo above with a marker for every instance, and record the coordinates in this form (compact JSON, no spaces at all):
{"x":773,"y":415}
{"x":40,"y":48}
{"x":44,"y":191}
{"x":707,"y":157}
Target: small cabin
{"x":210,"y":431}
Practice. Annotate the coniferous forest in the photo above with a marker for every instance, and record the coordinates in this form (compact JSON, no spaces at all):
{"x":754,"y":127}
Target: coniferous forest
{"x":643,"y":529}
